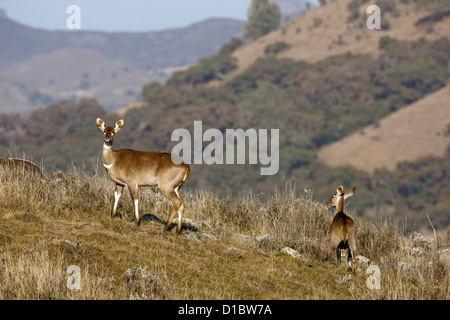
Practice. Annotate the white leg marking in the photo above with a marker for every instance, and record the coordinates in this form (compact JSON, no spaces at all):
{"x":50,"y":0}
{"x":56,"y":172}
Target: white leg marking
{"x":116,"y":200}
{"x":136,"y":208}
{"x":179,"y":211}
{"x":178,"y":195}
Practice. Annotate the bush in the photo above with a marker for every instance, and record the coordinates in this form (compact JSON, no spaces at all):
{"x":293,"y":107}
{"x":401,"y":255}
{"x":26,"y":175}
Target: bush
{"x":230,"y":47}
{"x":276,"y":48}
{"x":208,"y":69}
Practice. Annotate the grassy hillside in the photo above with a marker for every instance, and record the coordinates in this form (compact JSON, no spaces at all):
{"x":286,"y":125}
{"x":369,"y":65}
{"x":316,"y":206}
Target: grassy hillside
{"x":233,"y":249}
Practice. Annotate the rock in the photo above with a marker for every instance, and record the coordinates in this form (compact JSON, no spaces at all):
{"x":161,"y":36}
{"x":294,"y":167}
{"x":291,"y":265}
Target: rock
{"x":417,"y":240}
{"x":143,"y":284}
{"x":151,"y":218}
{"x":417,"y":252}
{"x":69,"y":241}
{"x":362,"y":262}
{"x":265,"y":238}
{"x":235,"y":252}
{"x":266,"y":242}
{"x":138,"y":297}
{"x":444,"y":255}
{"x":138,"y":273}
{"x":291,"y":252}
{"x":344,"y":279}
{"x":207,"y":236}
{"x":193,"y":236}
{"x":187,"y":224}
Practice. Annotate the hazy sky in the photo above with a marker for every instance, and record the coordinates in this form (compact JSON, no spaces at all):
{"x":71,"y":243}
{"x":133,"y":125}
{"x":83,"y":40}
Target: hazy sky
{"x":129,"y":15}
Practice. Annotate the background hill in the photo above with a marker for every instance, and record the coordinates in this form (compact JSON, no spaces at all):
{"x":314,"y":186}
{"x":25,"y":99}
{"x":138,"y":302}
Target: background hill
{"x":67,"y":64}
{"x":70,"y":74}
{"x":340,"y":27}
{"x":405,"y":135}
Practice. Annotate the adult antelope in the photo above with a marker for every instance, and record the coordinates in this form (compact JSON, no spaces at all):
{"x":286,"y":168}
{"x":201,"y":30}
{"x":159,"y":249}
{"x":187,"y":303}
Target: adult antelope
{"x":14,"y":164}
{"x":143,"y":168}
{"x":342,"y":228}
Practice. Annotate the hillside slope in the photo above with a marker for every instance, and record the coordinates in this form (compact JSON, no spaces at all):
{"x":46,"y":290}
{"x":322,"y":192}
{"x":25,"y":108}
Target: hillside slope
{"x":408,"y":134}
{"x":70,"y":74}
{"x":325,"y":31}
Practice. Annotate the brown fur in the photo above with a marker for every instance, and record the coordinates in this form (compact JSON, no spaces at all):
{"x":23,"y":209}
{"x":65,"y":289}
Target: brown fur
{"x":20,"y":165}
{"x":143,"y":168}
{"x":342,"y":230}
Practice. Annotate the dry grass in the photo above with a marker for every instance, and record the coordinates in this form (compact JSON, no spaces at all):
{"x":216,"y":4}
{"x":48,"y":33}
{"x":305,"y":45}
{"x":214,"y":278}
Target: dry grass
{"x":121,"y":261}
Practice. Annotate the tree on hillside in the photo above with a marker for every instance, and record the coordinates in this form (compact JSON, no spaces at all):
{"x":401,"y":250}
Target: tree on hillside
{"x":263,"y":17}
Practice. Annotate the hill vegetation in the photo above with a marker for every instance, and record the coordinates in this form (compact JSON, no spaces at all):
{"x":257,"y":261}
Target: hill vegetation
{"x":329,"y":30}
{"x":312,"y":104}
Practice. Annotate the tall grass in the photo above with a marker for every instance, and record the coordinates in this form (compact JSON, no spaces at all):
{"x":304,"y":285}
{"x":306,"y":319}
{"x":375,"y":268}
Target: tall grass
{"x":411,"y":266}
{"x":38,"y":276}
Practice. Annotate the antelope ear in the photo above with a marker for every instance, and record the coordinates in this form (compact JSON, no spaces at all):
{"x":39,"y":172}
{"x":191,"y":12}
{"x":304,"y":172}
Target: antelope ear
{"x":119,"y":125}
{"x":339,"y":190}
{"x":101,"y":124}
{"x":349,"y":193}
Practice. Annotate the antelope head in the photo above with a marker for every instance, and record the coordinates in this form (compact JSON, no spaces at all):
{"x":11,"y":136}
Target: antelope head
{"x":109,"y":132}
{"x":337,"y":199}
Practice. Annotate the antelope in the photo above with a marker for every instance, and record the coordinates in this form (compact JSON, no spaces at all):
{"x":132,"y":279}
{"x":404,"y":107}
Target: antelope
{"x":143,"y":168}
{"x":342,"y":228}
{"x":21,"y":164}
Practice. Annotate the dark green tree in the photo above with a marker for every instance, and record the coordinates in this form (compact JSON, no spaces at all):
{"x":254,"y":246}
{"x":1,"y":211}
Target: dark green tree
{"x":263,"y":17}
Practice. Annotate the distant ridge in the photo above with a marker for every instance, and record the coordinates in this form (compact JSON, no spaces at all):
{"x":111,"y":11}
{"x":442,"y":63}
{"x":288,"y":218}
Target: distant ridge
{"x":143,"y":50}
{"x":141,"y":57}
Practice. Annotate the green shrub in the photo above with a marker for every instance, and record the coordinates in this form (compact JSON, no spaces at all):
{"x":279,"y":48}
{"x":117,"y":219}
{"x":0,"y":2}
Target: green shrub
{"x":276,"y":48}
{"x":208,"y":69}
